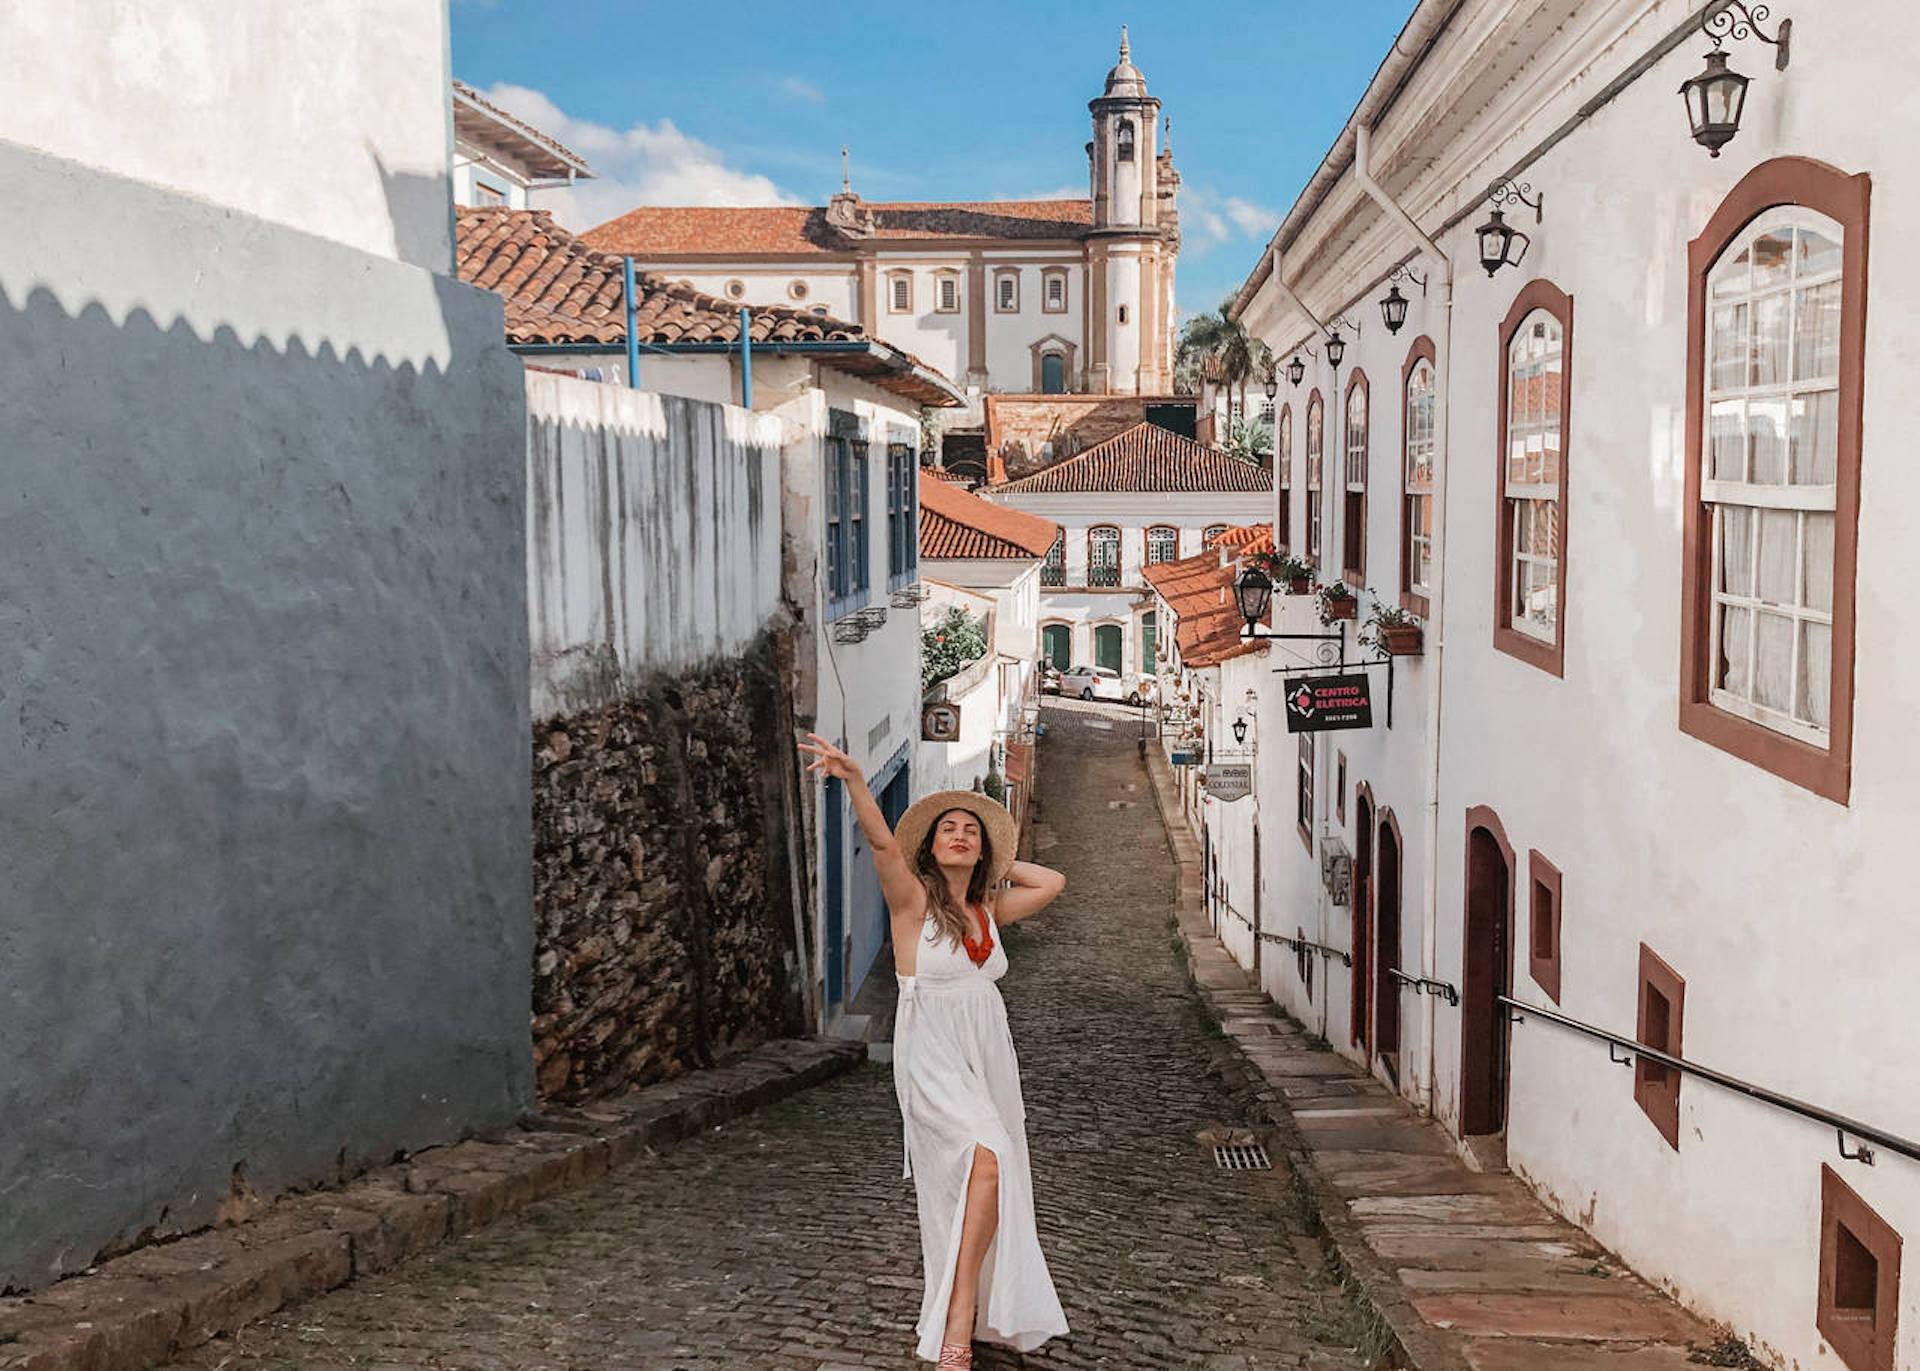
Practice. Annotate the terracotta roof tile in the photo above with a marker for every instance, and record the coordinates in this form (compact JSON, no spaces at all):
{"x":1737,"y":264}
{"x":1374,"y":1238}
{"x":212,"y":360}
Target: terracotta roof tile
{"x":954,"y":523}
{"x":1199,"y":593}
{"x":1146,"y":457}
{"x":544,"y":154}
{"x":656,"y":231}
{"x":1246,"y":539}
{"x":560,"y":290}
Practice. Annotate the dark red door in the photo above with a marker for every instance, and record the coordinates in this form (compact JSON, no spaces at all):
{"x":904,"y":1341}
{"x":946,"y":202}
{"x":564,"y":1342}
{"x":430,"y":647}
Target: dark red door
{"x":1487,"y":975}
{"x":1386,"y":943}
{"x":1361,"y":1020}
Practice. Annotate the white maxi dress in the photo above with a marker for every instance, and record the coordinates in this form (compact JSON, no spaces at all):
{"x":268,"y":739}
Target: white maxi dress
{"x":959,"y":1085}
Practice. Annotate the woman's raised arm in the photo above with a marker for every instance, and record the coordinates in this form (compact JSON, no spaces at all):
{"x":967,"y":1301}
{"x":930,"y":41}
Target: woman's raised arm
{"x":1032,"y":889}
{"x":905,"y":896}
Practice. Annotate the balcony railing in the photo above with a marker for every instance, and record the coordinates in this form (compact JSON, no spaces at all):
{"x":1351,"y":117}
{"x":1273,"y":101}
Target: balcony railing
{"x":1053,"y":575}
{"x":1103,"y":576}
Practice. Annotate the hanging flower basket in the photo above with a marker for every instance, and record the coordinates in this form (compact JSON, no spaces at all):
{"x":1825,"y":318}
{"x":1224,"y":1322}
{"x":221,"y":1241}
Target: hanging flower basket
{"x":1337,"y":601}
{"x":1393,"y":631}
{"x":1401,"y":640}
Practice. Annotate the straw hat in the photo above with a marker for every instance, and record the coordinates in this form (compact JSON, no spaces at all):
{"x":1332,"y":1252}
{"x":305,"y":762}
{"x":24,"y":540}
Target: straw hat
{"x":995,"y":822}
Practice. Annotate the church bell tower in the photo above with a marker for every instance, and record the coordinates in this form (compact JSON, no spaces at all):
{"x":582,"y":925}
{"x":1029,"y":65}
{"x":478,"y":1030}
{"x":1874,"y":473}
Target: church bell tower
{"x":1135,"y":237}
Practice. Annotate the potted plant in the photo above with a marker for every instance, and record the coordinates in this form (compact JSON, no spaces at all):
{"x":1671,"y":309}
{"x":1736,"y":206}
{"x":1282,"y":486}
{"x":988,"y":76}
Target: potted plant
{"x":1337,"y":601}
{"x":1286,"y":571}
{"x":1392,"y":630}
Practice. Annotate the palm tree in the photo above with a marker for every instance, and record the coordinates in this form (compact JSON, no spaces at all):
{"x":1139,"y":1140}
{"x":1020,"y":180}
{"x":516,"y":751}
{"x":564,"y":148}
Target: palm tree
{"x":1237,"y":355}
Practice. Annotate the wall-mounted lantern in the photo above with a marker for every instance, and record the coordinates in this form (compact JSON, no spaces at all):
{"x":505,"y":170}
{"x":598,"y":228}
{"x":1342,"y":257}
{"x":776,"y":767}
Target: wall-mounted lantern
{"x":1336,"y":345}
{"x":1240,"y":730}
{"x":1296,"y":369}
{"x":1252,"y":593}
{"x":1271,"y":382}
{"x":1716,"y":97}
{"x":1502,"y":245}
{"x":1393,"y":305}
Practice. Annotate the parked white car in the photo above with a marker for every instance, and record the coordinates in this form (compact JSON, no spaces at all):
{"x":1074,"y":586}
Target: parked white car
{"x":1104,"y":683}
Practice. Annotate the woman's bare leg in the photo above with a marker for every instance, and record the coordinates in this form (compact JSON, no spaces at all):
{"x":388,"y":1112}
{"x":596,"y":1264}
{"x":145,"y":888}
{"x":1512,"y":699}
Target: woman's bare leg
{"x":976,"y":1235}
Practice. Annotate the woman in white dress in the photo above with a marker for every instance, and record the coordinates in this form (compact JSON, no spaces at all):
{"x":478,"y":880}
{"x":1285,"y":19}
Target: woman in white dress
{"x":942,"y":872}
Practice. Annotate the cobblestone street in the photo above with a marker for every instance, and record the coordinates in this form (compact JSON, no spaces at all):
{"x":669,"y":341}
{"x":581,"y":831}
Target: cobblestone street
{"x":787,"y":1240}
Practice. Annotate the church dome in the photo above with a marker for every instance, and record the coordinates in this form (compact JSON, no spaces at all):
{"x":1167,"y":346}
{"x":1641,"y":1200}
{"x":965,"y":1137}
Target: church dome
{"x":1125,"y":80}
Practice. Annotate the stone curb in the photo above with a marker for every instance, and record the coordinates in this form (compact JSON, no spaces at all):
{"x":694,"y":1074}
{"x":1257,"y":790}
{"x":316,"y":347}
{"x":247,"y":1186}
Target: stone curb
{"x":1414,"y":1346}
{"x":138,"y":1311}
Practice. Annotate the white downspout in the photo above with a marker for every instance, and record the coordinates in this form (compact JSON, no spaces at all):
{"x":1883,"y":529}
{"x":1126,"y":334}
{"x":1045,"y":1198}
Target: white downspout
{"x":1436,"y":601}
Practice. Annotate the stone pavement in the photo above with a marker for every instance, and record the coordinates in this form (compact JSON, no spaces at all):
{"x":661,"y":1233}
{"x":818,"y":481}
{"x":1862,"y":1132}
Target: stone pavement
{"x":1469,"y":1270}
{"x":786,"y":1239}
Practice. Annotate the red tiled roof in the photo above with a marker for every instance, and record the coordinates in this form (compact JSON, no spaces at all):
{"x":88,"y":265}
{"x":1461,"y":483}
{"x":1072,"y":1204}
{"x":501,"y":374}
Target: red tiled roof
{"x":1199,"y":592}
{"x":1246,"y":539}
{"x":956,"y":524}
{"x":1146,"y":457}
{"x":560,"y":290}
{"x":656,"y":231}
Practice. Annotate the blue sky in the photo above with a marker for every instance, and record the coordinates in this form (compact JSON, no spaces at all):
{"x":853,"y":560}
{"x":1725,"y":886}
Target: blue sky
{"x":748,"y":103}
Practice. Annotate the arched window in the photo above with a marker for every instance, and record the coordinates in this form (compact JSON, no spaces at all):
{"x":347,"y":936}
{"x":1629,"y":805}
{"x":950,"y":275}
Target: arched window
{"x":1053,"y":374}
{"x":1316,"y":450}
{"x":1053,"y":572}
{"x":1531,"y":535}
{"x":1283,"y":461}
{"x":1103,"y":555}
{"x":1416,"y":542}
{"x":1775,"y":323}
{"x":1353,"y":530}
{"x":1125,"y":141}
{"x":1163,"y":543}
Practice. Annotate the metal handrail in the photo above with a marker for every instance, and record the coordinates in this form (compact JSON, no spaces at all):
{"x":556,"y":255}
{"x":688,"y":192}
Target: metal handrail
{"x":1346,"y":958}
{"x":1840,"y":1123}
{"x":1426,"y":986}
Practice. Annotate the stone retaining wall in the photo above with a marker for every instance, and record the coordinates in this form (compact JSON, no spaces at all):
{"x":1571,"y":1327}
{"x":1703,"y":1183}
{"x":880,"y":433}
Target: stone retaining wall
{"x":665,"y":933}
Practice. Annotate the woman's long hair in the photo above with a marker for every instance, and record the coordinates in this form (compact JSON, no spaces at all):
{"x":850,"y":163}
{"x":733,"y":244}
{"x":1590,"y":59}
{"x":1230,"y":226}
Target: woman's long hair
{"x":947,"y":916}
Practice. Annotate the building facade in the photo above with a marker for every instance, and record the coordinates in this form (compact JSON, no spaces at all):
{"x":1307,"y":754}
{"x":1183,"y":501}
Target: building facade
{"x":1143,"y":497}
{"x":1043,"y":296}
{"x":1647,"y":773}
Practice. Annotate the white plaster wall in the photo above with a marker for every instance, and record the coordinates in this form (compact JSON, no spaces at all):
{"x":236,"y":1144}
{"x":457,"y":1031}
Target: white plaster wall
{"x":1123,"y":340}
{"x":653,"y":535}
{"x":939,"y":340}
{"x":330,"y":116}
{"x":471,"y":164}
{"x":1784,"y":912}
{"x":1011,"y":336}
{"x":834,"y":285}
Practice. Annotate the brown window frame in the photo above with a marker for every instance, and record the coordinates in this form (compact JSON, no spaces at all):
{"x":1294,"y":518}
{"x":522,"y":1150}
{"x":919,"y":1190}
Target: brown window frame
{"x":1866,"y":1344}
{"x":1146,"y":542}
{"x":1656,"y":1088}
{"x":1047,"y":278}
{"x":1000,"y":277}
{"x":1422,"y":350}
{"x":942,"y":278}
{"x":1543,"y":888}
{"x":1119,"y":550}
{"x":895,"y":279}
{"x":1353,"y":502}
{"x":1316,"y":522}
{"x":1549,"y":657}
{"x":1304,"y":762}
{"x":1846,"y":199}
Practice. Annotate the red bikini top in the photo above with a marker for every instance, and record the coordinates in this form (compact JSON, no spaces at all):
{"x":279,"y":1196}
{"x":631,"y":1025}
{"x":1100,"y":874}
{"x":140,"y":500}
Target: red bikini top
{"x":981,"y":948}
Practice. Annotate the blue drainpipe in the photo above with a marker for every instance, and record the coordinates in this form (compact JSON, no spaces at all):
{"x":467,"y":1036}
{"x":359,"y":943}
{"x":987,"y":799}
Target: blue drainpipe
{"x":746,"y":360}
{"x":633,"y":333}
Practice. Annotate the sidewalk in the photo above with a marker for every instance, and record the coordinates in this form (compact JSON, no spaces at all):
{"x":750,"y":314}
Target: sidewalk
{"x":141,"y":1309}
{"x":1469,"y":1270}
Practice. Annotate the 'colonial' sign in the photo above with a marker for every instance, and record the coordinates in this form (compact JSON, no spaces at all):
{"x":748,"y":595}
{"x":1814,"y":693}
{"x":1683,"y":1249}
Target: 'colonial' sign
{"x":940,"y":723}
{"x":1318,"y":704}
{"x":1230,"y":781}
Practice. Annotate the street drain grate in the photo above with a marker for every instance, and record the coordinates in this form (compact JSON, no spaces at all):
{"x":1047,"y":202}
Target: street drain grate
{"x":1241,"y":1157}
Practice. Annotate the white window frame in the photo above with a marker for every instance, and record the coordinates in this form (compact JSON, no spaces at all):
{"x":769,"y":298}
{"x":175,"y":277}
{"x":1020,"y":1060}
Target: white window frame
{"x":1006,"y":291}
{"x":1419,"y":454}
{"x":899,"y":292}
{"x":1798,"y":499}
{"x":1169,"y":541}
{"x":1048,"y":281}
{"x":946,"y":281}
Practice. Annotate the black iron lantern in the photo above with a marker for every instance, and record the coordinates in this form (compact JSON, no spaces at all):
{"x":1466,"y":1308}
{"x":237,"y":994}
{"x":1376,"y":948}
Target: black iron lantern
{"x":1714,"y":100}
{"x":1272,"y":384}
{"x":1336,"y":349}
{"x":1252,"y":592}
{"x":1240,"y":731}
{"x":1497,"y":243}
{"x":1394,"y":309}
{"x":1296,"y":369}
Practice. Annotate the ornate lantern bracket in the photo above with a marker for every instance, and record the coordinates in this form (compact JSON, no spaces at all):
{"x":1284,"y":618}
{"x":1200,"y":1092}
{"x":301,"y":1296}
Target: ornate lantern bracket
{"x":1736,"y":21}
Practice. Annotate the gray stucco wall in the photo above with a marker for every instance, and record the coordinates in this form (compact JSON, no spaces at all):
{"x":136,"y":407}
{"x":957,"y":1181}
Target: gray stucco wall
{"x":265,"y":886}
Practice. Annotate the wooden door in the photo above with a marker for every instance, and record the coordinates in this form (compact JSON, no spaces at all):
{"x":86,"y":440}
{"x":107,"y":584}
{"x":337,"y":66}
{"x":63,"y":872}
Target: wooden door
{"x":1386,"y":941}
{"x":1488,"y":973}
{"x":1360,"y":1020}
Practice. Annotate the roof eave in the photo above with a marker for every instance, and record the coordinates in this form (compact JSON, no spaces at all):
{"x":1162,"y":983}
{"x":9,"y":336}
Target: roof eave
{"x":542,"y":156}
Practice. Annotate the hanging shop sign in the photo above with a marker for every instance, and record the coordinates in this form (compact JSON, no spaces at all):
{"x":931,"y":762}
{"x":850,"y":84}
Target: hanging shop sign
{"x":1230,"y":781}
{"x":940,"y":723}
{"x":1184,"y":758}
{"x":1320,"y":704}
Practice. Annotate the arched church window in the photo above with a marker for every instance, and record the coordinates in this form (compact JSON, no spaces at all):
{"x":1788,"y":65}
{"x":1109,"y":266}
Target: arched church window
{"x":1126,"y":140}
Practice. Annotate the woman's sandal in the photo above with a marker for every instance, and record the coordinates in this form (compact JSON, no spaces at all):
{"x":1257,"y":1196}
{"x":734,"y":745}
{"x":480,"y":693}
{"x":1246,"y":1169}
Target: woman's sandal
{"x":956,"y":1354}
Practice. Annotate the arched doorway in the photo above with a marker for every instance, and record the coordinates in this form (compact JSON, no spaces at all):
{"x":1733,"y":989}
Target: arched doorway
{"x":1056,"y":644}
{"x":1359,"y":1021}
{"x":1487,"y":973}
{"x":1106,"y":646}
{"x":1386,"y":943}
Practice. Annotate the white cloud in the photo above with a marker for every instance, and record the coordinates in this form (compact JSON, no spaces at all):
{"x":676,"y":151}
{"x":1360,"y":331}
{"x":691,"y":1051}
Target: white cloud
{"x":647,"y":164}
{"x":803,"y":90}
{"x":1057,"y":193}
{"x":1211,"y":220}
{"x":1255,"y":221}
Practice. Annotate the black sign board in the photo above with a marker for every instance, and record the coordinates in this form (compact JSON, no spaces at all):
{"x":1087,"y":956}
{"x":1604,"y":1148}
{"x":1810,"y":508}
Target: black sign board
{"x":1318,"y":704}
